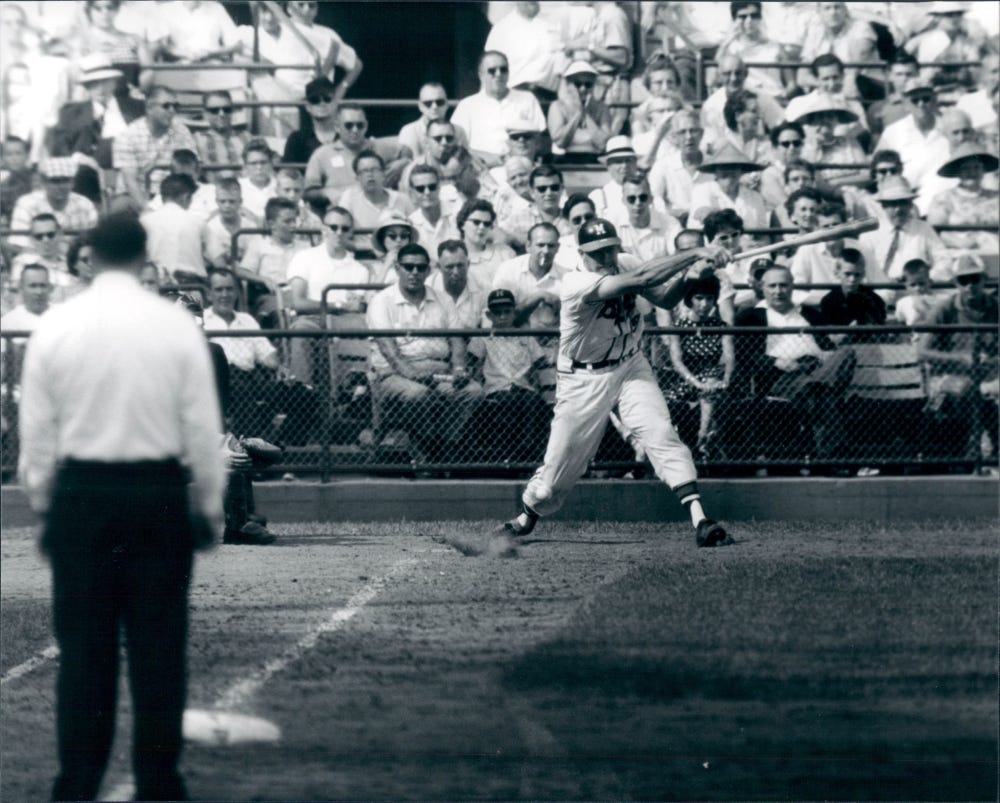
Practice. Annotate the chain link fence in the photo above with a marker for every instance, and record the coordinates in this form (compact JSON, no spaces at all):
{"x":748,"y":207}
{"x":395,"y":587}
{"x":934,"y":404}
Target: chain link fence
{"x":841,"y":401}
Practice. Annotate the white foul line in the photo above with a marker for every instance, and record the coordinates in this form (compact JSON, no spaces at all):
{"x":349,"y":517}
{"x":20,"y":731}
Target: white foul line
{"x":240,"y":692}
{"x":35,"y":661}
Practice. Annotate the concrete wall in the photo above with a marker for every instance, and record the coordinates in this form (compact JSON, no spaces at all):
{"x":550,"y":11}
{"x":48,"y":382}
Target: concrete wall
{"x":878,"y":499}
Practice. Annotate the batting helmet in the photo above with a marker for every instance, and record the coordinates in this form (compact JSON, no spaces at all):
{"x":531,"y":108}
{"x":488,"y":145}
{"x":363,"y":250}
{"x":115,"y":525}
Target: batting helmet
{"x":597,"y":234}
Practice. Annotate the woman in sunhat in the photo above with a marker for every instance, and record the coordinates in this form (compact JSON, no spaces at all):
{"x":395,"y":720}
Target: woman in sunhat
{"x":969,"y":203}
{"x":392,"y":232}
{"x":727,"y":167}
{"x":579,"y":124}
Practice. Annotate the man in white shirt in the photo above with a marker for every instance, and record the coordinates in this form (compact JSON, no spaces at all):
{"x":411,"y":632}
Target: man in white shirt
{"x":107,"y":447}
{"x":433,"y":103}
{"x":978,"y":105}
{"x":257,"y":182}
{"x":264,"y":265}
{"x":903,"y":236}
{"x":324,"y":43}
{"x":309,"y":273}
{"x":916,"y":137}
{"x":727,"y":191}
{"x":620,"y":158}
{"x":35,"y":291}
{"x":646,"y":232}
{"x":673,"y":178}
{"x":252,"y":360}
{"x":175,"y":232}
{"x":451,"y":282}
{"x":481,"y":115}
{"x":369,"y":198}
{"x":432,"y":225}
{"x":532,"y":44}
{"x":225,"y":221}
{"x":732,"y":72}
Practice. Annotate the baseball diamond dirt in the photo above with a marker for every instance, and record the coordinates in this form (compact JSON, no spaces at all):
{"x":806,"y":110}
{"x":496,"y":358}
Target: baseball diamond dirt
{"x":605,"y":661}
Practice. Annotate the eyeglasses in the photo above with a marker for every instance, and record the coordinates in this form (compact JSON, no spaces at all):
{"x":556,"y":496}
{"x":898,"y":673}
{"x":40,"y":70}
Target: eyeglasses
{"x":965,"y":281}
{"x":641,"y":198}
{"x":58,"y":179}
{"x":478,"y":221}
{"x":750,"y":15}
{"x":354,"y":126}
{"x":435,"y":102}
{"x":888,"y":171}
{"x":583,"y":84}
{"x":259,"y":163}
{"x":444,"y":139}
{"x":522,"y":136}
{"x":336,"y":229}
{"x":413,"y":267}
{"x":497,"y":70}
{"x":219,"y":109}
{"x":397,"y":235}
{"x":579,"y":220}
{"x":169,"y":105}
{"x":544,"y":188}
{"x":422,"y":188}
{"x":45,"y":235}
{"x":315,"y":100}
{"x":790,"y":143}
{"x":921,"y":100}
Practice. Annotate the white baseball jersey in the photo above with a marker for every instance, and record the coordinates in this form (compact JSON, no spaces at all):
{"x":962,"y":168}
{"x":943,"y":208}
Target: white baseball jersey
{"x":597,"y":331}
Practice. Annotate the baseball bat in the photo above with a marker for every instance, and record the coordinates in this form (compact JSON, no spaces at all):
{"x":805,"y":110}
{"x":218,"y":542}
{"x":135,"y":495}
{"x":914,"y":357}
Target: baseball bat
{"x":850,"y":229}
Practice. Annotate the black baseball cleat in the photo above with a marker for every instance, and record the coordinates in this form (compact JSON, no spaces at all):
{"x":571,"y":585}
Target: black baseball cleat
{"x":711,"y":533}
{"x":250,"y":534}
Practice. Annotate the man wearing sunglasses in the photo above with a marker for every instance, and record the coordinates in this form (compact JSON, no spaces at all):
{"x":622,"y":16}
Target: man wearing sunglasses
{"x":547,"y":198}
{"x":532,"y":43}
{"x":331,"y":166}
{"x":432,"y":225}
{"x":48,"y":250}
{"x":149,"y":141}
{"x":440,"y":144}
{"x":916,"y":137}
{"x":309,"y":273}
{"x":55,"y":198}
{"x":481,"y":115}
{"x":433,"y":104}
{"x":646,"y":232}
{"x":602,"y":367}
{"x":220,"y":143}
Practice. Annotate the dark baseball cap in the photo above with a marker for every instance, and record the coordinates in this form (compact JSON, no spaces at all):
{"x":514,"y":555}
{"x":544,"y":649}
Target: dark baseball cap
{"x":597,"y":234}
{"x":761,"y":266}
{"x":500,"y":298}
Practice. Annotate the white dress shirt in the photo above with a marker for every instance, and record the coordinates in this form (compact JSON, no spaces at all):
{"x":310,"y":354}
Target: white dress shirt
{"x":389,"y":309}
{"x":917,"y":240}
{"x":532,"y":47}
{"x":482,"y":118}
{"x":117,"y":374}
{"x":515,"y":275}
{"x":318,"y":269}
{"x":174,"y":239}
{"x":709,"y":197}
{"x":920,"y":152}
{"x":243,"y":353}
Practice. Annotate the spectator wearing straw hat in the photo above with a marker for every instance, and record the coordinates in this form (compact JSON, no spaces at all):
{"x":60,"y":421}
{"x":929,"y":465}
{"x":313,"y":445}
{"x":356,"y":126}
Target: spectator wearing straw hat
{"x":726,"y":191}
{"x":956,"y":126}
{"x":916,"y":137}
{"x":579,"y":123}
{"x":822,"y":115}
{"x":620,"y":158}
{"x":392,"y":232}
{"x":86,"y":129}
{"x":967,"y":203}
{"x":73,"y":211}
{"x":902,"y":235}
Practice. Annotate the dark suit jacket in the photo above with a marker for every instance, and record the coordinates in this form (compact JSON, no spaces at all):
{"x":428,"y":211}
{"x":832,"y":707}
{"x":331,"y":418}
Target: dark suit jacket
{"x":78,"y":131}
{"x":755,"y":371}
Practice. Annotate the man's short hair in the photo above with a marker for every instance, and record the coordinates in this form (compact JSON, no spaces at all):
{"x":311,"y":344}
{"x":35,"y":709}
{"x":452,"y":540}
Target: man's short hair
{"x":799,"y":164}
{"x":338,"y":210}
{"x":226,"y":273}
{"x":275,"y":205}
{"x":176,"y":186}
{"x":34,"y":266}
{"x":424,"y":170}
{"x":411,"y":250}
{"x":786,"y":125}
{"x":185,"y":157}
{"x":690,"y":233}
{"x":573,"y":200}
{"x":291,"y":173}
{"x":119,"y":238}
{"x":803,"y":192}
{"x":721,"y":219}
{"x":487,"y":54}
{"x":45,"y":217}
{"x":543,"y":226}
{"x":450,"y":246}
{"x":736,"y":8}
{"x":825,"y":60}
{"x":433,"y":123}
{"x":156,"y":90}
{"x":544,"y":171}
{"x":260,"y":146}
{"x":351,"y":107}
{"x":831,"y":209}
{"x":368,"y":154}
{"x":915,"y":265}
{"x":229,"y":184}
{"x":637,"y":177}
{"x":218,"y":93}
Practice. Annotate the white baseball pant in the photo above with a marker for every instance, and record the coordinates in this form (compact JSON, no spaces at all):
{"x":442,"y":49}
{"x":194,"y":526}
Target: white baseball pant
{"x":584,"y":400}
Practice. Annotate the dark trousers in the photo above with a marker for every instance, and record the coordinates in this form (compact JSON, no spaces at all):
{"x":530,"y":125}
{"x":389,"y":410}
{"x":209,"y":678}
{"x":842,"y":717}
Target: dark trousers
{"x":120,"y":541}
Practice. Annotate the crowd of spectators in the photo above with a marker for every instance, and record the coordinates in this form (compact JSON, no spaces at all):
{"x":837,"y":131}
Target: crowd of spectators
{"x":680,"y":123}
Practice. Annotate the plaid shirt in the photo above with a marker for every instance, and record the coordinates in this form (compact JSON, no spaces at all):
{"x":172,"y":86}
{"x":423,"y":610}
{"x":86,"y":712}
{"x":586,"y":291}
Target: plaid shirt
{"x":78,"y":214}
{"x":136,"y":149}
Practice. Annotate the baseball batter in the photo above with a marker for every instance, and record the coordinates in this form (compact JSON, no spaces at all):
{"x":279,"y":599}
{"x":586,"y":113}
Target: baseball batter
{"x":601,"y":368}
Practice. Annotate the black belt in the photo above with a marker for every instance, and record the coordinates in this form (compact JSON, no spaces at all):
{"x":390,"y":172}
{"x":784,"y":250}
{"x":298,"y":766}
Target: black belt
{"x":169,"y":469}
{"x":594,"y":366}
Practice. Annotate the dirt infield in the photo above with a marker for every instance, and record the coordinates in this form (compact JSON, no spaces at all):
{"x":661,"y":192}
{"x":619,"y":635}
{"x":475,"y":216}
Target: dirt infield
{"x":604,"y":662}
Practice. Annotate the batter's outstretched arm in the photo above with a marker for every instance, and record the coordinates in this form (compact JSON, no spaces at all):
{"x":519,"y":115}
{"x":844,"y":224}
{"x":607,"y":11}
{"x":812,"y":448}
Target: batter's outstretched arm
{"x":648,"y":276}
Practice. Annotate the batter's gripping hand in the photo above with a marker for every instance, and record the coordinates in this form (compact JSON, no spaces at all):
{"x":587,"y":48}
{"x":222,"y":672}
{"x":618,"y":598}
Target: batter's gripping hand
{"x":717,"y":255}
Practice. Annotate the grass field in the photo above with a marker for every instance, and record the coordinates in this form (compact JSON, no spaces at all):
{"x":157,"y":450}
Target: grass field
{"x":612,"y":661}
